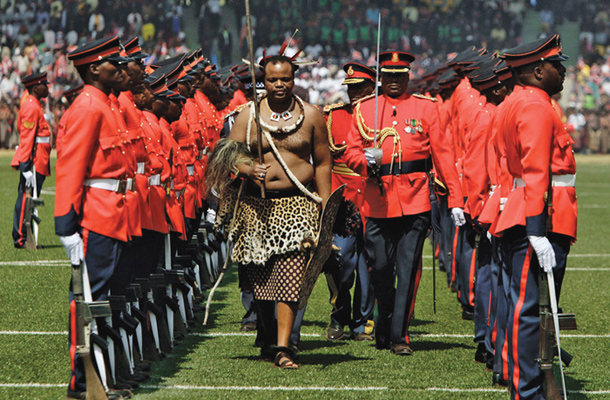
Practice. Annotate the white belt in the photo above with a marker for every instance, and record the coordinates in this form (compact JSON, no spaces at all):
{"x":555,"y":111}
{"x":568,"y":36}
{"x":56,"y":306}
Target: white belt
{"x":502,"y":202}
{"x":112,"y":185}
{"x":141,"y":168}
{"x":154,"y":180}
{"x":557,"y":180}
{"x":492,"y":190}
{"x":190,"y":169}
{"x":43,"y":139}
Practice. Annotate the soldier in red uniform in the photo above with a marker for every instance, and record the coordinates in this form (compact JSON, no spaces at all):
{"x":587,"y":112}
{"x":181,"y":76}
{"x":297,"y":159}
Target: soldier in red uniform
{"x":360,"y":81}
{"x":96,"y":170}
{"x":397,"y":200}
{"x":538,"y":222}
{"x":70,"y":95}
{"x":32,"y":156}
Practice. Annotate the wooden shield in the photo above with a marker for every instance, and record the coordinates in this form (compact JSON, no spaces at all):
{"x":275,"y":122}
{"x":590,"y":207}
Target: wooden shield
{"x":322,"y":247}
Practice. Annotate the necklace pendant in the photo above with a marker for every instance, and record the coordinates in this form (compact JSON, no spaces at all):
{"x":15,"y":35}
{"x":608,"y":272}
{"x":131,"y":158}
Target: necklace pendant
{"x":286,"y":115}
{"x":275,"y":117}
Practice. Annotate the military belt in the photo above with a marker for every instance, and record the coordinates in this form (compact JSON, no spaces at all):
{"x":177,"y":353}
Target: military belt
{"x":43,"y":139}
{"x":568,"y":180}
{"x":112,"y":185}
{"x":406,"y":167}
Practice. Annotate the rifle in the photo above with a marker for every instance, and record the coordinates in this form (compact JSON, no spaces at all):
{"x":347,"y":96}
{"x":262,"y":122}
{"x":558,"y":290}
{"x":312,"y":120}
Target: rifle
{"x":551,"y":322}
{"x":549,"y":336}
{"x":85,"y":313}
{"x":31,"y":219}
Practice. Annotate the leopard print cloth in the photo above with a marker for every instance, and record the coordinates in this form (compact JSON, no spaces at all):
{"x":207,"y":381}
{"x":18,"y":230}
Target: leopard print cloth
{"x":267,"y":227}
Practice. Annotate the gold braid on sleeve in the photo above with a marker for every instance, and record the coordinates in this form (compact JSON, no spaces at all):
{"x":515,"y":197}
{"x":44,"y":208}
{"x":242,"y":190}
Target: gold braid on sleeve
{"x":365,"y":131}
{"x":331,"y":141}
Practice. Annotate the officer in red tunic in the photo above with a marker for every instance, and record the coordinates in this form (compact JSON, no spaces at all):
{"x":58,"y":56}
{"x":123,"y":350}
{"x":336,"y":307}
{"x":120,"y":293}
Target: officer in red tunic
{"x":360,"y":81}
{"x":96,"y":170}
{"x":397,"y":196}
{"x":70,"y":95}
{"x":538,"y":222}
{"x":32,"y":156}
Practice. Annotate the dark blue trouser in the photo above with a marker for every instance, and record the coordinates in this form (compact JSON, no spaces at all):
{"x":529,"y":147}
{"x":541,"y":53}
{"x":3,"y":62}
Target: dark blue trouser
{"x":523,"y":319}
{"x":102,"y":255}
{"x":247,"y":299}
{"x":482,"y":292}
{"x":19,"y":229}
{"x":466,"y":266}
{"x":341,"y":281}
{"x":445,"y":238}
{"x":394,"y":249}
{"x":502,"y":306}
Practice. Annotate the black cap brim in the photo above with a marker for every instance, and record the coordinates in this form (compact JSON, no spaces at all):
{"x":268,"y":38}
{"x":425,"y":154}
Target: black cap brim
{"x":118,"y":59}
{"x":557,"y":57}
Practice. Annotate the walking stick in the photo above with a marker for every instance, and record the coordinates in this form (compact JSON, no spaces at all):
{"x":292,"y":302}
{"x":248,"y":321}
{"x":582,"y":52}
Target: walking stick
{"x":259,"y":134}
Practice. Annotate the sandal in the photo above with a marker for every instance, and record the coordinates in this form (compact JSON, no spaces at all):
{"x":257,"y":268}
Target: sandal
{"x":284,"y":359}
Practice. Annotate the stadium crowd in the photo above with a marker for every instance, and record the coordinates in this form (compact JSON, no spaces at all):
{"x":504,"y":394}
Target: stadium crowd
{"x":37,"y":35}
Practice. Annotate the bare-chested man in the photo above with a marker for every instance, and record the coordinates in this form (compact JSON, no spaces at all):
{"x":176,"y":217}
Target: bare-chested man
{"x":268,"y":232}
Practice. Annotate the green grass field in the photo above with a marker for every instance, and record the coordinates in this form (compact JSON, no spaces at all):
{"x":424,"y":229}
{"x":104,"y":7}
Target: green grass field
{"x":216,"y":361}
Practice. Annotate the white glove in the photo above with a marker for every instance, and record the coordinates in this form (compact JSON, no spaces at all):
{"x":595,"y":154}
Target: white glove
{"x":210,"y":216}
{"x":457,"y":215}
{"x":489,"y":236}
{"x":370,"y":158}
{"x":544,"y":252}
{"x":74,"y":248}
{"x":29,"y":178}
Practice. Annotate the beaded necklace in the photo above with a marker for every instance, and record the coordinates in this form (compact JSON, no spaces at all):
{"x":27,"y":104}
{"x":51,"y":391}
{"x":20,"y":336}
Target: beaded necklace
{"x":290,"y":128}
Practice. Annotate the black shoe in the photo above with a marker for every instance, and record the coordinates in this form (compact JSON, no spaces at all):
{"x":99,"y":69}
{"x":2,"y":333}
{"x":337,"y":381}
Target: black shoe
{"x":453,"y":287}
{"x":401,"y":350}
{"x":498,"y":381}
{"x":481,"y":354}
{"x":334,"y":332}
{"x":467,"y":313}
{"x":248,"y":327}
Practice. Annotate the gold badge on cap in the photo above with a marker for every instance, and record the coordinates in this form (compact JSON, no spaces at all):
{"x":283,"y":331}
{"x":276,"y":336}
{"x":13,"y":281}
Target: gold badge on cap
{"x":350,"y":71}
{"x":394,"y":57}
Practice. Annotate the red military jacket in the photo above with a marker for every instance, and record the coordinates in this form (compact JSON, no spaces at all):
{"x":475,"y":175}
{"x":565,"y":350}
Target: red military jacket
{"x":31,"y":125}
{"x":496,"y":161}
{"x":93,"y":148}
{"x":180,"y":133}
{"x":409,"y":130}
{"x":213,"y":120}
{"x":161,"y":168}
{"x":475,"y":172}
{"x":339,"y":122}
{"x":535,"y":139}
{"x":135,"y":133}
{"x":174,"y":203}
{"x":239,"y":98}
{"x":61,"y":131}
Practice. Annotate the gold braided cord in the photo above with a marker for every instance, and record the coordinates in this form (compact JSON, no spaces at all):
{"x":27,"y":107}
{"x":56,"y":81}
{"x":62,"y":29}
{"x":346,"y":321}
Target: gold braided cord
{"x":331,"y":141}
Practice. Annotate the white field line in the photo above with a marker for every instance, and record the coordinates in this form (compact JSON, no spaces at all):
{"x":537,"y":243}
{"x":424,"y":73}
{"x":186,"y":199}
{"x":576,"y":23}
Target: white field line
{"x":297,"y":388}
{"x":242,"y":334}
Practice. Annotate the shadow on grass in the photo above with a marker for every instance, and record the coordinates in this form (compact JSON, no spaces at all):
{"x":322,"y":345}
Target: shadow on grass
{"x":428,"y":345}
{"x":328,"y":359}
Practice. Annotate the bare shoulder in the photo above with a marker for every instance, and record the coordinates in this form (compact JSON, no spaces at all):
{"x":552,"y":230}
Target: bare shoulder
{"x":312,"y":113}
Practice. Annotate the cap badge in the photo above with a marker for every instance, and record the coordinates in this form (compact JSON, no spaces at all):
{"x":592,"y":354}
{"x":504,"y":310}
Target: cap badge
{"x":350,"y":71}
{"x":394,"y":57}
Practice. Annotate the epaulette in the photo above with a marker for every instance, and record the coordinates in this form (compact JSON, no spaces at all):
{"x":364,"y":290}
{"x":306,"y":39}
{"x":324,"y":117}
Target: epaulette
{"x":236,"y":111}
{"x":370,"y":96}
{"x":421,"y":96}
{"x":330,"y":107}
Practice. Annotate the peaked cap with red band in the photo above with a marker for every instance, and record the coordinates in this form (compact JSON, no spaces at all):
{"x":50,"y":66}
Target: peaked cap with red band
{"x":133,"y":49}
{"x":545,"y":49}
{"x":357,"y":73}
{"x":105,"y":49}
{"x":34,"y":79}
{"x":395,"y":61}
